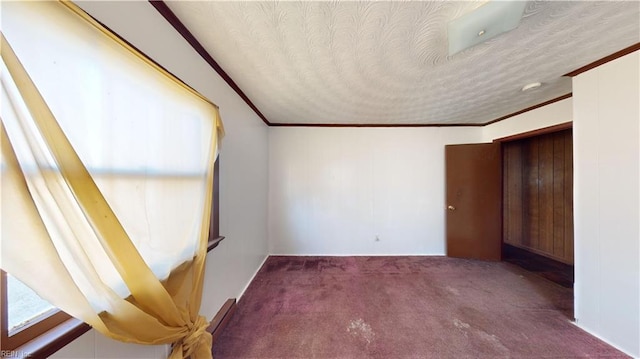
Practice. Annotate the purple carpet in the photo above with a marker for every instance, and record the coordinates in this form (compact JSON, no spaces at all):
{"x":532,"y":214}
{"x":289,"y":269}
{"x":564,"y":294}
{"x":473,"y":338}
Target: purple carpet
{"x":403,"y":307}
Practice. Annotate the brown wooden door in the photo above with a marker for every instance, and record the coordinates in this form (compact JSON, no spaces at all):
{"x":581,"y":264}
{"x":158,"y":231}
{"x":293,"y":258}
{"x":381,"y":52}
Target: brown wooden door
{"x":474,"y":201}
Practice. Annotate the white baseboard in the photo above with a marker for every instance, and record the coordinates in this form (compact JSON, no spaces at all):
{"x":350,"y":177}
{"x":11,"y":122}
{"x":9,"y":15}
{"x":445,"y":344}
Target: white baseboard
{"x":603,"y":339}
{"x":252,"y":277}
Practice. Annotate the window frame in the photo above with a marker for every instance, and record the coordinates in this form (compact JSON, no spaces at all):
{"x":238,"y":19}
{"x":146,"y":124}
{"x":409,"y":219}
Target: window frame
{"x":214,"y":227}
{"x":11,"y":343}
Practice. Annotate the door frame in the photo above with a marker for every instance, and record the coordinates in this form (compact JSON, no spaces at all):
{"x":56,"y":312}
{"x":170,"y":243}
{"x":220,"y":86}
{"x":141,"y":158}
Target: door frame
{"x":538,"y":132}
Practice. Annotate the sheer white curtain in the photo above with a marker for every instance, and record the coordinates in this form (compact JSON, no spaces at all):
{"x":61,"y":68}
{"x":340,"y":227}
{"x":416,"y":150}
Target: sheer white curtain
{"x":147,"y":141}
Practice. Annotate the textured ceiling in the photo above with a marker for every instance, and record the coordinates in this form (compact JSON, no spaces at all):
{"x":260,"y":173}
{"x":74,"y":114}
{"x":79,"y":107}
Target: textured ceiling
{"x":387,"y":63}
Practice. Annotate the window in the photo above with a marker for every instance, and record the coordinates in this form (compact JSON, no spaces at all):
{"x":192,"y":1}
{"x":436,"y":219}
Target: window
{"x":95,"y":94}
{"x":26,"y":306}
{"x":25,"y":316}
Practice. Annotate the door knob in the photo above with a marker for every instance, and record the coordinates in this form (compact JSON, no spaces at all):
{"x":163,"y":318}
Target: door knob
{"x":451,"y":208}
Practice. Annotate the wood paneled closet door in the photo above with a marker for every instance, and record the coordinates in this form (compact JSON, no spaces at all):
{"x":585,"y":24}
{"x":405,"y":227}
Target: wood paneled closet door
{"x":538,"y":194}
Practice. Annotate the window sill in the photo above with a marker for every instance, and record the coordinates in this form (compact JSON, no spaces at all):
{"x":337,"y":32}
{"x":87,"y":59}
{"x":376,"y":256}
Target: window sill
{"x":214,"y":242}
{"x":53,"y":340}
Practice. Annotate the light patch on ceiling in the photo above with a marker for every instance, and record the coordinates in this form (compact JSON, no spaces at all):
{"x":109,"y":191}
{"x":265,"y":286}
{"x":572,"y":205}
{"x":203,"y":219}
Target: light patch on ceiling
{"x":488,"y":21}
{"x":388,"y":63}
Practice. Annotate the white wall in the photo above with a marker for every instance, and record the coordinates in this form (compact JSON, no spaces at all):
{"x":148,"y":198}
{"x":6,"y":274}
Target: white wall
{"x":553,"y":114}
{"x":333,"y":190}
{"x":607,"y":204}
{"x":244,"y":162}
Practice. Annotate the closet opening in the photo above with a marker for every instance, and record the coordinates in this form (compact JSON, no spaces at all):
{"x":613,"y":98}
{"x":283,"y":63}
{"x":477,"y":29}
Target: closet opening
{"x":537,"y":183}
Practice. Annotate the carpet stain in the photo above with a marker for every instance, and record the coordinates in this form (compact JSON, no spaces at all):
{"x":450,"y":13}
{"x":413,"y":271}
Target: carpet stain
{"x":479,"y":333}
{"x":360,"y":329}
{"x":493,"y":340}
{"x":452,"y":290}
{"x":460,"y":324}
